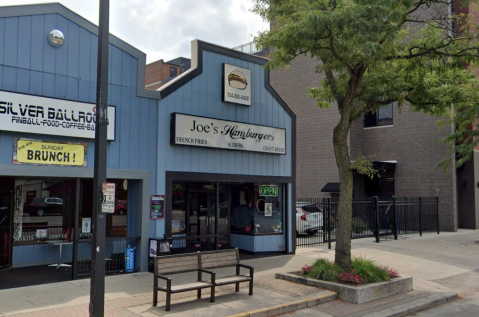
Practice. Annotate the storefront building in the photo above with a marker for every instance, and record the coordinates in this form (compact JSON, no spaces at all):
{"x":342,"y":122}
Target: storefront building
{"x":48,"y":61}
{"x":225,"y":156}
{"x":204,"y":163}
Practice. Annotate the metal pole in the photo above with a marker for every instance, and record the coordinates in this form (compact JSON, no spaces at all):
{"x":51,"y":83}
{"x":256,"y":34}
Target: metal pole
{"x":329,"y":223}
{"x":97,"y":283}
{"x":420,"y":217}
{"x":217,"y":214}
{"x":395,"y":219}
{"x":437,"y":213}
{"x":76,"y":229}
{"x":376,"y":216}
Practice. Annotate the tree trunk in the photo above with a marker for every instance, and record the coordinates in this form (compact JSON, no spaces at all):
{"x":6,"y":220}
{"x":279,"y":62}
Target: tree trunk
{"x":344,"y":214}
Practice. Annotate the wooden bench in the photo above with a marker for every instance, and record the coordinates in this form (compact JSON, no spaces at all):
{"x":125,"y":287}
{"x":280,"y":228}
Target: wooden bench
{"x":182,"y":263}
{"x":226,"y":258}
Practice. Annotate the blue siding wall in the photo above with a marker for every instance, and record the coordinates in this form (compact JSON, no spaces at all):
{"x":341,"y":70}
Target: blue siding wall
{"x":202,"y":97}
{"x":29,"y":64}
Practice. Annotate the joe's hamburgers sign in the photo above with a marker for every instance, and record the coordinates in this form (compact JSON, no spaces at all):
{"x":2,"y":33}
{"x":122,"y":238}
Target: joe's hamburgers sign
{"x":236,"y":85}
{"x":209,"y":132}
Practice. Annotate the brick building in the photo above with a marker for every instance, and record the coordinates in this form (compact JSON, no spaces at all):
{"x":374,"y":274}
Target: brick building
{"x":407,"y":145}
{"x":159,"y":73}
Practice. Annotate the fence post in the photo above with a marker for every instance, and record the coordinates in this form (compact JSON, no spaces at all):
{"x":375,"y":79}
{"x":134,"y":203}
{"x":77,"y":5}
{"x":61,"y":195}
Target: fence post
{"x":437,"y":213}
{"x":329,"y":223}
{"x":376,"y":217}
{"x":420,"y":216}
{"x":395,"y":219}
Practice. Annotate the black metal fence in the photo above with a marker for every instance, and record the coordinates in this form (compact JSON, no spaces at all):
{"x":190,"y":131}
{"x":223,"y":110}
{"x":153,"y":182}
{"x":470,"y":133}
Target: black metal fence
{"x":316,"y":218}
{"x":114,"y":255}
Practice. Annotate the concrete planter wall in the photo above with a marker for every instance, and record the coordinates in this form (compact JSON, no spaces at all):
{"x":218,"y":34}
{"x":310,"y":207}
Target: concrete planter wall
{"x":356,"y":294}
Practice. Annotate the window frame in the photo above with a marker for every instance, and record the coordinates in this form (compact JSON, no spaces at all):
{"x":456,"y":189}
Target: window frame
{"x":367,"y":125}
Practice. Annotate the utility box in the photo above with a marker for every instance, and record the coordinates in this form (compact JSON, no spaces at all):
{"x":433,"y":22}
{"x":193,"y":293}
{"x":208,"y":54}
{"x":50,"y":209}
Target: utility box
{"x":158,"y":246}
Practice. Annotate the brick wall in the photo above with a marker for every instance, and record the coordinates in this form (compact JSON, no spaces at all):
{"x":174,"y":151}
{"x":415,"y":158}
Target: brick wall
{"x":414,"y":141}
{"x":156,"y":72}
{"x":315,"y":164}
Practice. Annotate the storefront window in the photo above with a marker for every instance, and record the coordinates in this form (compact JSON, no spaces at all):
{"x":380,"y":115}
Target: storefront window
{"x":116,"y":222}
{"x":178,"y":224}
{"x":41,"y":211}
{"x":240,"y":208}
{"x":256,"y":208}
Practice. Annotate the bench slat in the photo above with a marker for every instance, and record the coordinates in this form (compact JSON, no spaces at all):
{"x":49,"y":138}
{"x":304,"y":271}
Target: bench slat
{"x":213,"y":260}
{"x":173,"y":264}
{"x":177,"y":264}
{"x":186,"y":287}
{"x":232,"y":279}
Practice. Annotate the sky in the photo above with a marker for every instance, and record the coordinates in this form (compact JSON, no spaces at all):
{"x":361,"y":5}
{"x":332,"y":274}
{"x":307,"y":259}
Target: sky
{"x":164,"y":29}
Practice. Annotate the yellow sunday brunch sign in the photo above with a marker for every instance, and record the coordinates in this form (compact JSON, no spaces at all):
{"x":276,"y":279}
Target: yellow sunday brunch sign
{"x":49,"y":153}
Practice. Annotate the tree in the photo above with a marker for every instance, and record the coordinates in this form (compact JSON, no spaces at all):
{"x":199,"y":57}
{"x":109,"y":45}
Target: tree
{"x":373,"y":53}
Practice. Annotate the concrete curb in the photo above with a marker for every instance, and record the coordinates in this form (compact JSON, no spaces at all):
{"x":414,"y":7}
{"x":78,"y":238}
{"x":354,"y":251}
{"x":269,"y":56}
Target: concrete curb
{"x":320,"y":298}
{"x":356,"y":294}
{"x":413,"y":307}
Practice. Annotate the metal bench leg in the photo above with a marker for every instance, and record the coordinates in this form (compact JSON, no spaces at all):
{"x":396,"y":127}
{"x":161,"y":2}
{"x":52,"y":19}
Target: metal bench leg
{"x":237,"y":287}
{"x":212,"y":299}
{"x":168,"y":300}
{"x":155,"y":297}
{"x":251,"y":287}
{"x":168,"y":294}
{"x":198,"y":293}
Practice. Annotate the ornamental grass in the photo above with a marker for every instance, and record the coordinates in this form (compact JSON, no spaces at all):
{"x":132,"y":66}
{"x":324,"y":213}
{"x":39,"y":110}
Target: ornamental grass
{"x":363,"y":271}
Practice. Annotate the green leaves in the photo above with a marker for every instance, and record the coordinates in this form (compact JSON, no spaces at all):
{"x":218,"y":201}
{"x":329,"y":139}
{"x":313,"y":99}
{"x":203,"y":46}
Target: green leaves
{"x":374,"y":52}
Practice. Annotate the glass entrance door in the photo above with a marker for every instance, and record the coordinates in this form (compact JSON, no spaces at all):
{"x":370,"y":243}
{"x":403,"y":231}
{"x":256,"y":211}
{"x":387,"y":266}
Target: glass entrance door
{"x":5,"y":229}
{"x":200,"y":216}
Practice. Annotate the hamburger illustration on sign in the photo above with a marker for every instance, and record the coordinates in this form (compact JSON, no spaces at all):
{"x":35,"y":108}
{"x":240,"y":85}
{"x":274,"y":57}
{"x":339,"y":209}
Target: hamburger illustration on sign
{"x":237,"y":80}
{"x":236,"y":85}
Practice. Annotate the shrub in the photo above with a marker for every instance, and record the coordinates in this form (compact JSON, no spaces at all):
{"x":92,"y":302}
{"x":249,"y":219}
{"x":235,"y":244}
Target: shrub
{"x":364,"y":271}
{"x":367,"y":268}
{"x":324,"y":270}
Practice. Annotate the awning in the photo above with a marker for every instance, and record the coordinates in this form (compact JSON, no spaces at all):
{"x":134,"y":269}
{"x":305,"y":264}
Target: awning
{"x":330,"y":188}
{"x":385,"y":165}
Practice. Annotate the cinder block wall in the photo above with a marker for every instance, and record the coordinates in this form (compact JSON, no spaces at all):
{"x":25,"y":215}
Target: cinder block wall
{"x":414,"y":141}
{"x":316,"y":164}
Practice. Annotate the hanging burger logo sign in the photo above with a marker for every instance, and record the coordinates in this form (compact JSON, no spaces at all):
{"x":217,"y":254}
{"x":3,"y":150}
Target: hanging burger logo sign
{"x":237,"y":80}
{"x":236,"y":85}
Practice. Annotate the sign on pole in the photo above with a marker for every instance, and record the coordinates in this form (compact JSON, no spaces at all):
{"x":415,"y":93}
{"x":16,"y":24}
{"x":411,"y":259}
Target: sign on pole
{"x":108,"y":201}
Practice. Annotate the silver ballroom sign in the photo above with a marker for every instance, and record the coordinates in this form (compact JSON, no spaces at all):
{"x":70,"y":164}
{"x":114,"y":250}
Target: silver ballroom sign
{"x":236,"y":84}
{"x":215,"y":133}
{"x":41,"y":115}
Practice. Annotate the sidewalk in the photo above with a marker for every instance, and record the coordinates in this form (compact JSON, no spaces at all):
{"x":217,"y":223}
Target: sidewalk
{"x":441,"y":265}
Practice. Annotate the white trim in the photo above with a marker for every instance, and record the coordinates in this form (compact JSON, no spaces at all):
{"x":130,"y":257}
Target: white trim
{"x":379,"y":127}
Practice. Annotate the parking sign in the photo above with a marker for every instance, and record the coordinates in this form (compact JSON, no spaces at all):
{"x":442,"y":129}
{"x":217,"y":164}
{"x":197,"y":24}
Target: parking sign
{"x":108,"y":201}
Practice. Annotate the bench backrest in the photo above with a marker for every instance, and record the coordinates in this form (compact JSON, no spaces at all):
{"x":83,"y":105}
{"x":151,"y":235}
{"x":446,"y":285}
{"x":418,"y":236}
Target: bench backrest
{"x":211,"y":259}
{"x":171,"y":264}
